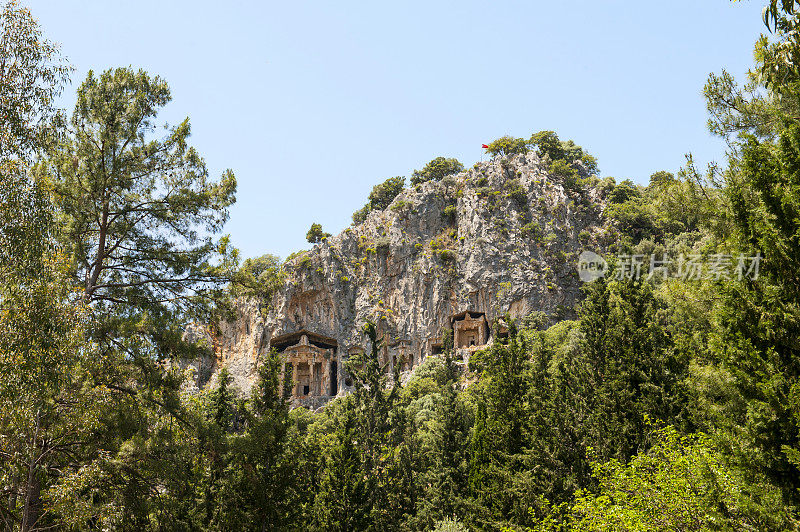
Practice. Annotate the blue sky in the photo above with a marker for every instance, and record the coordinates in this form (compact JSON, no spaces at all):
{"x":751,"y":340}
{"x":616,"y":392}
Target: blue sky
{"x":313,"y":103}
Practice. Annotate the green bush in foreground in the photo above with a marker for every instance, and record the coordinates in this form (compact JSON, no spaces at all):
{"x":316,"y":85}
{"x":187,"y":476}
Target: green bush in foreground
{"x":681,"y":483}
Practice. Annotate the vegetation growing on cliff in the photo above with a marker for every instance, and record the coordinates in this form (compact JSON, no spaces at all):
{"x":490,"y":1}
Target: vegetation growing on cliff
{"x":315,"y":234}
{"x":664,"y":404}
{"x":381,"y":196}
{"x":562,"y":155}
{"x":436,"y":170}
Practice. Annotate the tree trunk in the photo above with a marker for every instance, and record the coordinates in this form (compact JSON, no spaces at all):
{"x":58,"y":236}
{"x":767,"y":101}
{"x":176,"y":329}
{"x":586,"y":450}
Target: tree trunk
{"x":32,"y":485}
{"x":12,"y":499}
{"x":97,"y":265}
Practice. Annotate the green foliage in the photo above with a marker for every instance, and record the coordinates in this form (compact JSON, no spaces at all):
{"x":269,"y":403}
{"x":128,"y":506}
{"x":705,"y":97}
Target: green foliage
{"x":360,"y":215}
{"x":32,"y":75}
{"x":107,"y":249}
{"x":296,"y":254}
{"x":567,"y":160}
{"x":404,"y":208}
{"x":121,"y":274}
{"x":501,"y":427}
{"x":383,"y":195}
{"x":759,"y":319}
{"x":531,"y":230}
{"x":777,"y":57}
{"x":516,"y":193}
{"x":139,"y":213}
{"x":450,"y":525}
{"x":450,"y":212}
{"x":252,"y":483}
{"x":50,"y":408}
{"x":367,"y":479}
{"x":568,"y":174}
{"x":662,"y":179}
{"x":447,"y":255}
{"x":380,"y":198}
{"x":627,"y":343}
{"x":605,"y":185}
{"x":654,"y":213}
{"x":507,"y":146}
{"x":623,"y":192}
{"x":441,"y":421}
{"x":258,"y":277}
{"x":548,"y":144}
{"x":681,"y":483}
{"x":316,"y":235}
{"x":574,"y":153}
{"x":592,"y":384}
{"x":436,"y":170}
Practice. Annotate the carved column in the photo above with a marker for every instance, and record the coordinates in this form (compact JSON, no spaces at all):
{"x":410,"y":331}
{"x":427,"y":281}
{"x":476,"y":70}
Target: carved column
{"x":327,"y":381}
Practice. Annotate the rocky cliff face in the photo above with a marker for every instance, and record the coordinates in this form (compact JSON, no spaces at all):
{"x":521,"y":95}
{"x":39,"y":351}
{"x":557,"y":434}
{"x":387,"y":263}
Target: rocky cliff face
{"x":501,"y":237}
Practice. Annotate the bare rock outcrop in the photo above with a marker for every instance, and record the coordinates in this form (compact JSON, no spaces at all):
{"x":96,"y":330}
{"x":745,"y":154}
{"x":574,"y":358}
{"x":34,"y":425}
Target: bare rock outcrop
{"x":501,"y":237}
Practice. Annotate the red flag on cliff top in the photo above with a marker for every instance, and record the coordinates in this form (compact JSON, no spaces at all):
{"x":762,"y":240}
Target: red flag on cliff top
{"x":484,"y":146}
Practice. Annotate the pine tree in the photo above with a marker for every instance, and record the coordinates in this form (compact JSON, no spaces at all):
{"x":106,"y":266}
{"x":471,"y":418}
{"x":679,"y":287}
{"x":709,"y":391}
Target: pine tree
{"x":500,"y":431}
{"x":367,"y":484}
{"x":758,"y":319}
{"x":139,"y":215}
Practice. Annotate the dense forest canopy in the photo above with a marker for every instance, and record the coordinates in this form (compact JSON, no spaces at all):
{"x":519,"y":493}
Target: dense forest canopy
{"x":664,"y":405}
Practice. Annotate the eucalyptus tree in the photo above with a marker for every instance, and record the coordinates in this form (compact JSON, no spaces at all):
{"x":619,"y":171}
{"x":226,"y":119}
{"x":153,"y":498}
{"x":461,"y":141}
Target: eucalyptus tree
{"x":46,"y":409}
{"x":48,"y":406}
{"x":32,"y":75}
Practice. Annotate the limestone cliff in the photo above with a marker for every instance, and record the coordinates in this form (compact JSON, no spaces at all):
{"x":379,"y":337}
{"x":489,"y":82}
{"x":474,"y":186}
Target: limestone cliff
{"x":501,"y":237}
